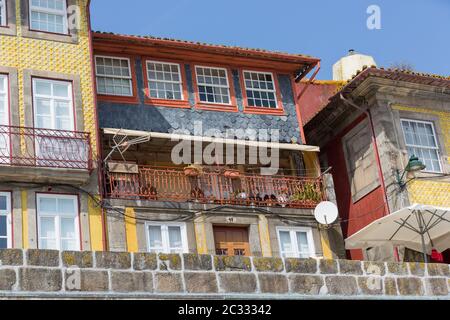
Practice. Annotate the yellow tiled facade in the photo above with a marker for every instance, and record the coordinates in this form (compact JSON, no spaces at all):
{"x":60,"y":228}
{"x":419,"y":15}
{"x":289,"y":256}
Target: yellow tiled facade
{"x":433,"y":191}
{"x":22,"y":53}
{"x":26,"y":53}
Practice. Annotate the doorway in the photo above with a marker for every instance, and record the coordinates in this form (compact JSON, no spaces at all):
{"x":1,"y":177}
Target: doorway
{"x":231,"y":241}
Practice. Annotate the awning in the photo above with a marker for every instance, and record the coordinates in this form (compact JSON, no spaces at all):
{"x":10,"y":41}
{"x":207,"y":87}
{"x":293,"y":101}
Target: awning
{"x":418,"y":227}
{"x":180,"y":137}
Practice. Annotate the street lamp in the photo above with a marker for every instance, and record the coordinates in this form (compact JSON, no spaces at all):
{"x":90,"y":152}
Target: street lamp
{"x":414,"y":165}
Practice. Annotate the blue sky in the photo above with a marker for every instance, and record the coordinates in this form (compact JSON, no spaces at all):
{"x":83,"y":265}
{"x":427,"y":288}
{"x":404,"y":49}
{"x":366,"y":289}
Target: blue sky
{"x":416,"y":32}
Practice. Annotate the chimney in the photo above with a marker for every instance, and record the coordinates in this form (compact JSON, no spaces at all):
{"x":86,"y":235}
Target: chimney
{"x":349,"y":65}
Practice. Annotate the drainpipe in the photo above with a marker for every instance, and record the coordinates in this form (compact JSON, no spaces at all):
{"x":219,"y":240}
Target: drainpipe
{"x":377,"y":156}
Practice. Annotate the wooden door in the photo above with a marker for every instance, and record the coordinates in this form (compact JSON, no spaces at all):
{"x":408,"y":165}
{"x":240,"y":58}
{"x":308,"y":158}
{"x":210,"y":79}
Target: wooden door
{"x":231,"y":241}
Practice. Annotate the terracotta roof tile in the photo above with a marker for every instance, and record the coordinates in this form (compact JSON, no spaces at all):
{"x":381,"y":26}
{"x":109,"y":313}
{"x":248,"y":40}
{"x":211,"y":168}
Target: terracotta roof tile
{"x":207,"y":45}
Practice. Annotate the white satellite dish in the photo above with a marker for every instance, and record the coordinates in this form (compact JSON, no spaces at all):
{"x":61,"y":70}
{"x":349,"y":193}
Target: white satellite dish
{"x":326,"y":213}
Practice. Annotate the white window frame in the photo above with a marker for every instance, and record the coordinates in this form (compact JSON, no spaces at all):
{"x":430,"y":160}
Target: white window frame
{"x":424,"y":147}
{"x":57,"y":217}
{"x":62,"y":13}
{"x":165,"y":235}
{"x":8,"y":215}
{"x":228,"y":87}
{"x":130,"y":78}
{"x":3,"y":13}
{"x":292,"y":232}
{"x":274,"y":91}
{"x":5,"y":136}
{"x":180,"y":83}
{"x":52,"y":99}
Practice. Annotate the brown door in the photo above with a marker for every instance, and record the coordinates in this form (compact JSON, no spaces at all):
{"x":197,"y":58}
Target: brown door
{"x":231,"y":241}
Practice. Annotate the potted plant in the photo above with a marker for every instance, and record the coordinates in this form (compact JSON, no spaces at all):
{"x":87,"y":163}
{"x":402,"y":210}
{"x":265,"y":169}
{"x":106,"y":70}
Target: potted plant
{"x":307,"y":195}
{"x":232,"y":173}
{"x":193,"y":170}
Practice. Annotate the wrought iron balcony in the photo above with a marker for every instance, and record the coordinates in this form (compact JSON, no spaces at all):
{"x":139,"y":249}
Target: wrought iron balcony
{"x":45,"y":148}
{"x":218,"y":186}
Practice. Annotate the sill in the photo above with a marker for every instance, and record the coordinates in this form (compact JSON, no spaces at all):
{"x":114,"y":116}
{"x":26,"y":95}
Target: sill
{"x":264,"y":111}
{"x":5,"y":27}
{"x":182,"y":104}
{"x":217,"y":107}
{"x":51,"y":33}
{"x":122,"y":99}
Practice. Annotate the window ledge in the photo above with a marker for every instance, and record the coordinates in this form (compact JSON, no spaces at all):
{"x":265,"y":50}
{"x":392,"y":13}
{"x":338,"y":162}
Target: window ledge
{"x":123,"y":99}
{"x":265,"y":111}
{"x":217,"y":107}
{"x":183,"y":104}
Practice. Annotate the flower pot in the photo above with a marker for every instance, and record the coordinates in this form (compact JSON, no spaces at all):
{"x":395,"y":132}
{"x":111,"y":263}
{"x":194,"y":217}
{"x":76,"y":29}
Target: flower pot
{"x":191,"y":172}
{"x":232,"y":174}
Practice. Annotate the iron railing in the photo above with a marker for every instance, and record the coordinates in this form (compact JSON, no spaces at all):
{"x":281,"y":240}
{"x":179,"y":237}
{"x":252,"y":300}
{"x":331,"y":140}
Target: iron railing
{"x":47,"y":148}
{"x":172,"y":184}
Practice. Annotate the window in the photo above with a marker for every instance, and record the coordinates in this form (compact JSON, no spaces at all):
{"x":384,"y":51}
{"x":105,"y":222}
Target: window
{"x":420,"y":139}
{"x":164,"y":80}
{"x":53,"y":104}
{"x":167,"y":237}
{"x":113,"y":76}
{"x":4,"y":120}
{"x":5,"y":220}
{"x":213,"y":86}
{"x":2,"y":12}
{"x":58,"y":222}
{"x":48,"y":16}
{"x":360,"y":161}
{"x":296,"y":242}
{"x":260,"y":89}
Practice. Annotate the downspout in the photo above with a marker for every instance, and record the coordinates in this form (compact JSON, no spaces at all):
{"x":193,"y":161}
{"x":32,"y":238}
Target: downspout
{"x":377,"y":156}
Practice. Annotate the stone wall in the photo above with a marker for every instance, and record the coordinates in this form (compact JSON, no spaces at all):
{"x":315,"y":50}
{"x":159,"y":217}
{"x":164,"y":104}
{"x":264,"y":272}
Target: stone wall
{"x":54,"y":274}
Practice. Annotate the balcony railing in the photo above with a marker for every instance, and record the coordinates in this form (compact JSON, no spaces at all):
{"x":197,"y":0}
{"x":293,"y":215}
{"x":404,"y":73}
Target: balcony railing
{"x":172,"y":184}
{"x":33,"y":147}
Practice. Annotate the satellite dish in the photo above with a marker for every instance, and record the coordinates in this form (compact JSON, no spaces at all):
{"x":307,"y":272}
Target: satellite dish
{"x":326,"y":213}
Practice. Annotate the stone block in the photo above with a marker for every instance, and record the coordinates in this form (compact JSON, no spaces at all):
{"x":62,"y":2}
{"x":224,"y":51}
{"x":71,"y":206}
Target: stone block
{"x":437,"y":286}
{"x":197,"y":262}
{"x":438,"y":269}
{"x":350,"y":267}
{"x":390,"y":287}
{"x":273,"y":283}
{"x":40,"y":279}
{"x":112,"y":260}
{"x":417,"y":268}
{"x":42,"y":258}
{"x":328,"y":266}
{"x":166,"y":282}
{"x":237,"y":282}
{"x":78,"y":259}
{"x":268,"y":264}
{"x":344,"y":286}
{"x":372,"y":285}
{"x":145,"y":261}
{"x":7,"y":279}
{"x":397,"y":268}
{"x":125,"y":281}
{"x":11,"y":257}
{"x":374,"y":268}
{"x":86,"y":280}
{"x":410,"y":286}
{"x":235,"y":263}
{"x":169,"y":261}
{"x":301,"y":265}
{"x":305,"y":284}
{"x":201,"y":282}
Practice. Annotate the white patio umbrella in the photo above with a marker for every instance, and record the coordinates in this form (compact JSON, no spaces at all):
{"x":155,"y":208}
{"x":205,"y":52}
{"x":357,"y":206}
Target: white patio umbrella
{"x":418,"y":227}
